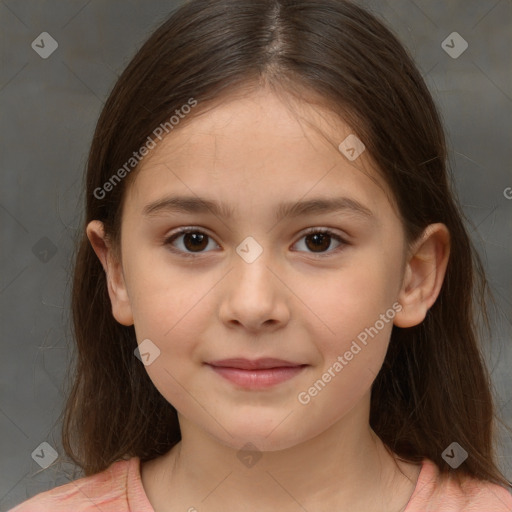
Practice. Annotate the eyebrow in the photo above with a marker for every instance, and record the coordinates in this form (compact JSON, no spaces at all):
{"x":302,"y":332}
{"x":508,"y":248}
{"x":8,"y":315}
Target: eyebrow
{"x":197,"y":205}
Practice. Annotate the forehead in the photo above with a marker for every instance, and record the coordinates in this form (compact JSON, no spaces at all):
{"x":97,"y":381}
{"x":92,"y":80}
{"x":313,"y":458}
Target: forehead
{"x":257,"y":149}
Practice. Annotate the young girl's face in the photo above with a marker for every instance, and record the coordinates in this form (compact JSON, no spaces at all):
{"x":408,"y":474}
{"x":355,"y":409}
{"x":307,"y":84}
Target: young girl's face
{"x":255,"y":284}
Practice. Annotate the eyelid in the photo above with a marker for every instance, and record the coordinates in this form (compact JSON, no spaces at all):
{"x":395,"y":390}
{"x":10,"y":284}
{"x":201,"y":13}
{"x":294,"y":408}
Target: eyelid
{"x":325,"y":229}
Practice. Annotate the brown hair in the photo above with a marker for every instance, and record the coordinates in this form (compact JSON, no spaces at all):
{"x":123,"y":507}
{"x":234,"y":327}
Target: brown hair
{"x":433,"y":387}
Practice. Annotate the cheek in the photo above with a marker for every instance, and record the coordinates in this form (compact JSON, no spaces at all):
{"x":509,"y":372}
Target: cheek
{"x":350,"y":361}
{"x":347,"y":301}
{"x":172,"y":318}
{"x":354,"y":319}
{"x":165,"y":298}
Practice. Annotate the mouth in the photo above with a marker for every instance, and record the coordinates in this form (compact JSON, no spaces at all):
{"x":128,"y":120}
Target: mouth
{"x":256,"y":374}
{"x":263,"y":363}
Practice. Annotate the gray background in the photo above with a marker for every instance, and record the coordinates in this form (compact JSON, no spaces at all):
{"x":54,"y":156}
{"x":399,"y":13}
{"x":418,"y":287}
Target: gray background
{"x":49,"y":110}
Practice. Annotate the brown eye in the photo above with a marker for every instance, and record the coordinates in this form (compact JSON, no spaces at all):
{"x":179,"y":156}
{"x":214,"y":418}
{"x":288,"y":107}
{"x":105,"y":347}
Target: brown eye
{"x":320,"y":241}
{"x":193,"y":242}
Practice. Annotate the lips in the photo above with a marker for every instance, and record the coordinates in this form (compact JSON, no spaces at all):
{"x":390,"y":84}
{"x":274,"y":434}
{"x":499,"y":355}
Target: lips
{"x":254,"y":364}
{"x":256,"y":374}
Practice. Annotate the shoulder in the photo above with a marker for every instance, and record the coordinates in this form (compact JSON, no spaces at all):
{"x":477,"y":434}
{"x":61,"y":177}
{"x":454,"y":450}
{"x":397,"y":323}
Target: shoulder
{"x":446,"y":495}
{"x":106,"y":491}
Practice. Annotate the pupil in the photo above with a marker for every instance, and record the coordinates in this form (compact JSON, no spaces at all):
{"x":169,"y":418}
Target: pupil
{"x":319,"y":237}
{"x":197,"y":239}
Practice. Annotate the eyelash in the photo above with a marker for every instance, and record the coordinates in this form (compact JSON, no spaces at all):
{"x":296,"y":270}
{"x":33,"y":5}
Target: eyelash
{"x":324,"y":231}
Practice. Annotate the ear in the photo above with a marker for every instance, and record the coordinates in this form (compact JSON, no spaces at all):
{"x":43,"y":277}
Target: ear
{"x":121,"y":308}
{"x":424,"y":275}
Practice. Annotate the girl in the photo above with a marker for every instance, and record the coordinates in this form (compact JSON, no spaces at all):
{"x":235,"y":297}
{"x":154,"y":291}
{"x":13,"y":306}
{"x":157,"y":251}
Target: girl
{"x":273,"y":296}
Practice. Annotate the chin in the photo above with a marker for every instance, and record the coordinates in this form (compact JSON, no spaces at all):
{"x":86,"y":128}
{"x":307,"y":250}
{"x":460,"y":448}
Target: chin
{"x":265,"y":437}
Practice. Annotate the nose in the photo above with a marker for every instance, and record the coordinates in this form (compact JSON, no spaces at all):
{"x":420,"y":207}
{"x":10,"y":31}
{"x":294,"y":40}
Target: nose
{"x":254,"y":296}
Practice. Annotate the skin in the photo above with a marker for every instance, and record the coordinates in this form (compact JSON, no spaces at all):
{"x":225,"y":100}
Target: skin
{"x":291,"y":303}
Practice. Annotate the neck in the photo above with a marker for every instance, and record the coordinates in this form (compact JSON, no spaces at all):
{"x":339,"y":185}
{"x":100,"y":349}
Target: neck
{"x":346,"y":465}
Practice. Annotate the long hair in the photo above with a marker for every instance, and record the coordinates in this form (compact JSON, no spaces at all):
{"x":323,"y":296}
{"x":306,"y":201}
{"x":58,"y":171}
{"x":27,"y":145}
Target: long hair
{"x":433,"y":387}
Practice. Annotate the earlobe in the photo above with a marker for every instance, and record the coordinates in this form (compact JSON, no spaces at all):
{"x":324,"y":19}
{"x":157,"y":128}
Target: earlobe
{"x":121,"y":308}
{"x":424,"y":274}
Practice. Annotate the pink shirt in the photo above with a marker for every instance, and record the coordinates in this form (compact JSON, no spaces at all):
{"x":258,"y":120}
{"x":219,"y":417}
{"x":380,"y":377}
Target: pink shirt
{"x":119,"y":489}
